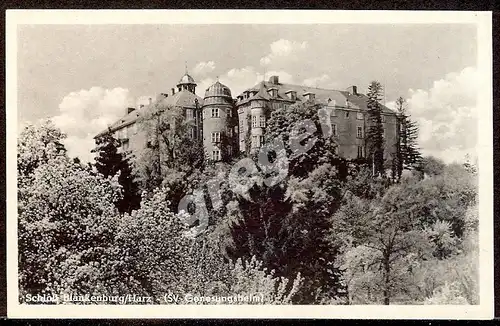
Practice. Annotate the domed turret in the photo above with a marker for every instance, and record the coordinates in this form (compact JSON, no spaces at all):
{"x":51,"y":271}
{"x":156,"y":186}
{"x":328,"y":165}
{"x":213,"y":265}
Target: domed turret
{"x":186,"y":83}
{"x":218,"y":93}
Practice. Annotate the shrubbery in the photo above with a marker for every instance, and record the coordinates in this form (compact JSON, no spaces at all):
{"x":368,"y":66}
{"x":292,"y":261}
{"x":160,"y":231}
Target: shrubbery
{"x":316,"y":237}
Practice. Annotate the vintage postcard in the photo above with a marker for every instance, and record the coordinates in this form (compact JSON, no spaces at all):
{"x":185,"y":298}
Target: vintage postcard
{"x":318,"y":164}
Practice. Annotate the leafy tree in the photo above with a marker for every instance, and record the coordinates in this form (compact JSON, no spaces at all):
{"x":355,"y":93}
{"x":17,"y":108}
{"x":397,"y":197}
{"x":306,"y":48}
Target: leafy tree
{"x":37,"y":144}
{"x":408,"y":155}
{"x":431,"y":165}
{"x":66,"y":220}
{"x":391,"y":238}
{"x":375,"y":134}
{"x":469,"y":166}
{"x":251,"y":278}
{"x":380,"y":237}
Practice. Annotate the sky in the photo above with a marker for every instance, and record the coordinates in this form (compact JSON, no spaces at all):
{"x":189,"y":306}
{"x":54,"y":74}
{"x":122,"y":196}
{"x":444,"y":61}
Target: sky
{"x":84,"y":76}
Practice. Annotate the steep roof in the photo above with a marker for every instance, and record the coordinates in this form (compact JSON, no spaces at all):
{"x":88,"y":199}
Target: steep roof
{"x":322,"y":95}
{"x":183,"y":99}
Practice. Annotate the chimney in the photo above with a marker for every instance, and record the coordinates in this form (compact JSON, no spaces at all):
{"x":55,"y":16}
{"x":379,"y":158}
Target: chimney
{"x":353,"y":90}
{"x":141,"y":106}
{"x":150,"y":101}
{"x":173,"y":91}
{"x":130,"y":110}
{"x":274,"y":80}
{"x":164,"y":94}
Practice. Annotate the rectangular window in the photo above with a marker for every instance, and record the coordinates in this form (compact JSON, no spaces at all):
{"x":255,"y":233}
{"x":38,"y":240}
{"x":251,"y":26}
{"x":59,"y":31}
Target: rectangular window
{"x":215,"y":136}
{"x":255,"y":139}
{"x":361,"y":152}
{"x":192,"y":134}
{"x":230,"y":150}
{"x":359,"y":116}
{"x":125,"y":145}
{"x":359,"y":132}
{"x":189,"y":114}
{"x":382,"y":117}
{"x":230,"y":132}
{"x":254,"y":121}
{"x":261,"y":141}
{"x":262,"y":122}
{"x":333,"y":112}
{"x":229,"y":112}
{"x":346,"y":114}
{"x":216,"y":155}
{"x":334,"y":129}
{"x":215,"y":112}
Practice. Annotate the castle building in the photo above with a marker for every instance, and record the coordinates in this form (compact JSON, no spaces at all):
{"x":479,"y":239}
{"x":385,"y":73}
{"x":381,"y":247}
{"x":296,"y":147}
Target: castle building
{"x":227,"y":126}
{"x":348,"y":115}
{"x":210,"y":120}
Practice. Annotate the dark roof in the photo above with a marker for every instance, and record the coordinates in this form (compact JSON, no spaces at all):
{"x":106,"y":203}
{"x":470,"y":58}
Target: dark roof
{"x":325,"y":96}
{"x":183,"y":99}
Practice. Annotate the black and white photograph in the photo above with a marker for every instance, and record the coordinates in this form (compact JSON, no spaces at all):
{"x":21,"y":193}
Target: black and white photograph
{"x":314,"y":164}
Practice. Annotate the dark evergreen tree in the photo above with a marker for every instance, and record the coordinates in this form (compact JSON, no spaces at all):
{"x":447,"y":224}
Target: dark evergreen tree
{"x":109,"y":162}
{"x":375,"y":134}
{"x":285,"y":225}
{"x":408,"y":156}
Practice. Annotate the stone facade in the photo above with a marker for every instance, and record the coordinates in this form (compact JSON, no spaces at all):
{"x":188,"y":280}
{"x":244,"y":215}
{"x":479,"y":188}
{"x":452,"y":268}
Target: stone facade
{"x":228,"y":126}
{"x":349,"y":115}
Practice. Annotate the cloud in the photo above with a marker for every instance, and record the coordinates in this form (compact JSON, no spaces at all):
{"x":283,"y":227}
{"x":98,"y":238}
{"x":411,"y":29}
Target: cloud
{"x":283,"y":52}
{"x":203,"y":68}
{"x":323,"y":81}
{"x":239,"y":79}
{"x":85,"y":113}
{"x":447,"y":115}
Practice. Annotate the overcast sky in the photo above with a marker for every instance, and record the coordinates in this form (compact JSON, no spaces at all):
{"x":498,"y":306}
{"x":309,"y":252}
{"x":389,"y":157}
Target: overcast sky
{"x":83,"y":76}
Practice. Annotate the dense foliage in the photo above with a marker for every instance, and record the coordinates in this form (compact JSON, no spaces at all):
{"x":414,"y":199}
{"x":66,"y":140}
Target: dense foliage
{"x":291,"y":223}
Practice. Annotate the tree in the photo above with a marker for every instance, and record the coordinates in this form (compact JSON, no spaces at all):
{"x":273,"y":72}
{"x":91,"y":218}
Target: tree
{"x":284,"y":224}
{"x":430,"y":166}
{"x":394,"y":239}
{"x":469,"y":166}
{"x":37,"y":144}
{"x":375,"y":134}
{"x":66,"y":220}
{"x":109,"y":162}
{"x":380,"y":238}
{"x":408,"y":155}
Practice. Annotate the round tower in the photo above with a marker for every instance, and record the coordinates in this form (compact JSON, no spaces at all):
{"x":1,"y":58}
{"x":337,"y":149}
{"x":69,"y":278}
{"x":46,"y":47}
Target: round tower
{"x":219,"y":123}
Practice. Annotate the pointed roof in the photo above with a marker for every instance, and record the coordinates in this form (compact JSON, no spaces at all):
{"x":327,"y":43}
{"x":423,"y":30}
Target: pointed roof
{"x":325,"y":96}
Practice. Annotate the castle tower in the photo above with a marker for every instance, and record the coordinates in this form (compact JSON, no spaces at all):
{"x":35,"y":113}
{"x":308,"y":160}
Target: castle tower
{"x":219,"y":123}
{"x":186,"y":83}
